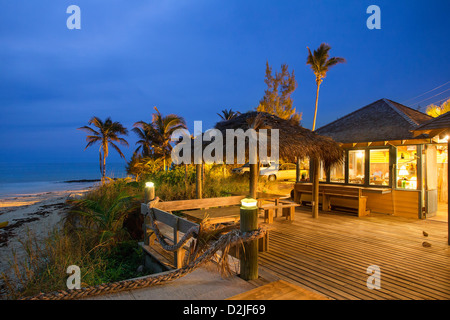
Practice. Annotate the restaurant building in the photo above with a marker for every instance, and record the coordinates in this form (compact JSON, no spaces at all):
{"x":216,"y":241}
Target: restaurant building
{"x":401,"y":172}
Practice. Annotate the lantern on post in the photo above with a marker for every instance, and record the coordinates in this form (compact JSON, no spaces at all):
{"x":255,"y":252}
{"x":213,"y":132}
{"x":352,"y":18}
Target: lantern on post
{"x":249,"y":256}
{"x":149,"y":192}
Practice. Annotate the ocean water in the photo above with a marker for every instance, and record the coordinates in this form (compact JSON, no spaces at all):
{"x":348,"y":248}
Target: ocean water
{"x":29,"y":178}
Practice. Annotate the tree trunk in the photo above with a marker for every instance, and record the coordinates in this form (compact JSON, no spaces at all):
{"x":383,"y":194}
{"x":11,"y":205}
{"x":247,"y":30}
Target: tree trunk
{"x":104,"y":166}
{"x":315,"y":111}
{"x":198,"y":180}
{"x":253,"y":179}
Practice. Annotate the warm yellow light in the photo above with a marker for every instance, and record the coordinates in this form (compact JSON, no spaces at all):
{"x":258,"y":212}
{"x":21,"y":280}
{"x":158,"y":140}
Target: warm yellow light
{"x":248,"y":203}
{"x":413,"y":182}
{"x":403,"y":171}
{"x":360,"y":154}
{"x":149,"y":185}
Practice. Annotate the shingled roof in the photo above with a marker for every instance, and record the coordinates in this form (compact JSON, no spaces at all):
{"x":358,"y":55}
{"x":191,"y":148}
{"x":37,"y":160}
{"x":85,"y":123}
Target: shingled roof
{"x":382,"y":120}
{"x":435,"y":126}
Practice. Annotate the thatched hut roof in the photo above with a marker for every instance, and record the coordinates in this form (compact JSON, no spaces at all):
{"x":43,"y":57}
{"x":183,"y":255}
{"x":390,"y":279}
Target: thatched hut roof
{"x":382,"y":120}
{"x":294,"y":140}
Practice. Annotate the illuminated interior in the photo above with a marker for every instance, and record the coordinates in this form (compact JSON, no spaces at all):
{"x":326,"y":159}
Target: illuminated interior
{"x":337,"y":173}
{"x":379,"y":167}
{"x":442,"y":167}
{"x":356,"y":159}
{"x":407,"y":167}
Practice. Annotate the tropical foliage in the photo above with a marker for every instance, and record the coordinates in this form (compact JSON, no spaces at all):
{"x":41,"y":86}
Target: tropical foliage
{"x":277,"y":98}
{"x":155,"y":136}
{"x":320,"y":63}
{"x":106,"y":133}
{"x":436,"y":111}
{"x":228,"y":114}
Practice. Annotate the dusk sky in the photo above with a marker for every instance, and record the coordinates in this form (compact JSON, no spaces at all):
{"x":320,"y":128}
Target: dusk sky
{"x":196,"y":58}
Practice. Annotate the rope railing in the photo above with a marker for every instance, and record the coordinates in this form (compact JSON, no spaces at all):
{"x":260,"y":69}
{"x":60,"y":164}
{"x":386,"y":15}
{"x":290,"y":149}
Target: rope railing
{"x":231,"y":238}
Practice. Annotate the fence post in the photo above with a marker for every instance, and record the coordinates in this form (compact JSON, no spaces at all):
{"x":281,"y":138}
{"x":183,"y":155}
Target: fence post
{"x":149,"y":195}
{"x":249,"y":256}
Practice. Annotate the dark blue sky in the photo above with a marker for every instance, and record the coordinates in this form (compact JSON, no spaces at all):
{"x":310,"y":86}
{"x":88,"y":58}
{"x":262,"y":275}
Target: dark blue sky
{"x":195,"y":58}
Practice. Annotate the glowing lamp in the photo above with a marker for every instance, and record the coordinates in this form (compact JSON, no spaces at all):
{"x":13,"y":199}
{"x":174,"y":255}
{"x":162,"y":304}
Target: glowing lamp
{"x":249,"y":203}
{"x":149,"y":191}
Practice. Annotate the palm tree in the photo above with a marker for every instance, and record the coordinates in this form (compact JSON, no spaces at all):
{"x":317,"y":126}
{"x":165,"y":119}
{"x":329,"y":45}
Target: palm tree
{"x":228,"y":114}
{"x":106,"y":133}
{"x":144,"y":131}
{"x":320,"y":63}
{"x":159,"y":132}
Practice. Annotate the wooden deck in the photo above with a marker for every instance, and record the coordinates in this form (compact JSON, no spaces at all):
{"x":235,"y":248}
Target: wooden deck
{"x":330,"y":255}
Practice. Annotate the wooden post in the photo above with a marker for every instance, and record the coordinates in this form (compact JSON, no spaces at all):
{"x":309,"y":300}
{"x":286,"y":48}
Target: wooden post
{"x":198,"y":180}
{"x":249,"y":256}
{"x":315,"y":193}
{"x":178,"y":254}
{"x":448,"y":185}
{"x":253,"y":180}
{"x":297,"y":170}
{"x":149,"y":195}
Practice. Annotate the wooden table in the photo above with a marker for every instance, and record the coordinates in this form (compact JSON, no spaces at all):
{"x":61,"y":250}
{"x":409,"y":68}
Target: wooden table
{"x":262,"y":196}
{"x":214,"y":215}
{"x":279,"y":290}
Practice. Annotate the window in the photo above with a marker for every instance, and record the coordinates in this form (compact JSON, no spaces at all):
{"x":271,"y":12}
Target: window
{"x":379,"y":167}
{"x":407,"y":167}
{"x":337,"y":173}
{"x":356,"y":159}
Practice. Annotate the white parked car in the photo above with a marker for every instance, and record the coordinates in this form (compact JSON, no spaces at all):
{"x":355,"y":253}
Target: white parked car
{"x":246,"y":168}
{"x":241,"y":170}
{"x":285,"y":171}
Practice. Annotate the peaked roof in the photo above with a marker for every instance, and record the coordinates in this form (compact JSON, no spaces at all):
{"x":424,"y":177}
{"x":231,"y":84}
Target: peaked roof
{"x":381,"y":120}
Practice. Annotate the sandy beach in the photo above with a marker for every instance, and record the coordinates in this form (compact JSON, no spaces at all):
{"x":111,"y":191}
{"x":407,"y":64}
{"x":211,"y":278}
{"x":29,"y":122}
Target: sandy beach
{"x":37,"y":214}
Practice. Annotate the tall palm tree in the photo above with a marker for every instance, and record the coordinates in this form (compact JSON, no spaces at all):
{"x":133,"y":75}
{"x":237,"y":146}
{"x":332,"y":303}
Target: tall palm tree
{"x":228,"y":114}
{"x":107,"y":134}
{"x":159,"y":133}
{"x":320,"y":63}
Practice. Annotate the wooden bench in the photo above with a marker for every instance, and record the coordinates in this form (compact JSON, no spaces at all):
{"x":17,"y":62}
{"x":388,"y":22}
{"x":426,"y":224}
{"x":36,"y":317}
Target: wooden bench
{"x":336,"y":196}
{"x":287,"y":208}
{"x":178,"y":225}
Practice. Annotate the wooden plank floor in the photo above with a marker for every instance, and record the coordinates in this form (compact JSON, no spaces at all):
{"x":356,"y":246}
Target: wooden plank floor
{"x":330,"y":255}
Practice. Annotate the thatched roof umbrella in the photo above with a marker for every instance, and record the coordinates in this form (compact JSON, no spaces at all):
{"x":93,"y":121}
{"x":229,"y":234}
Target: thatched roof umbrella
{"x":295,"y":142}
